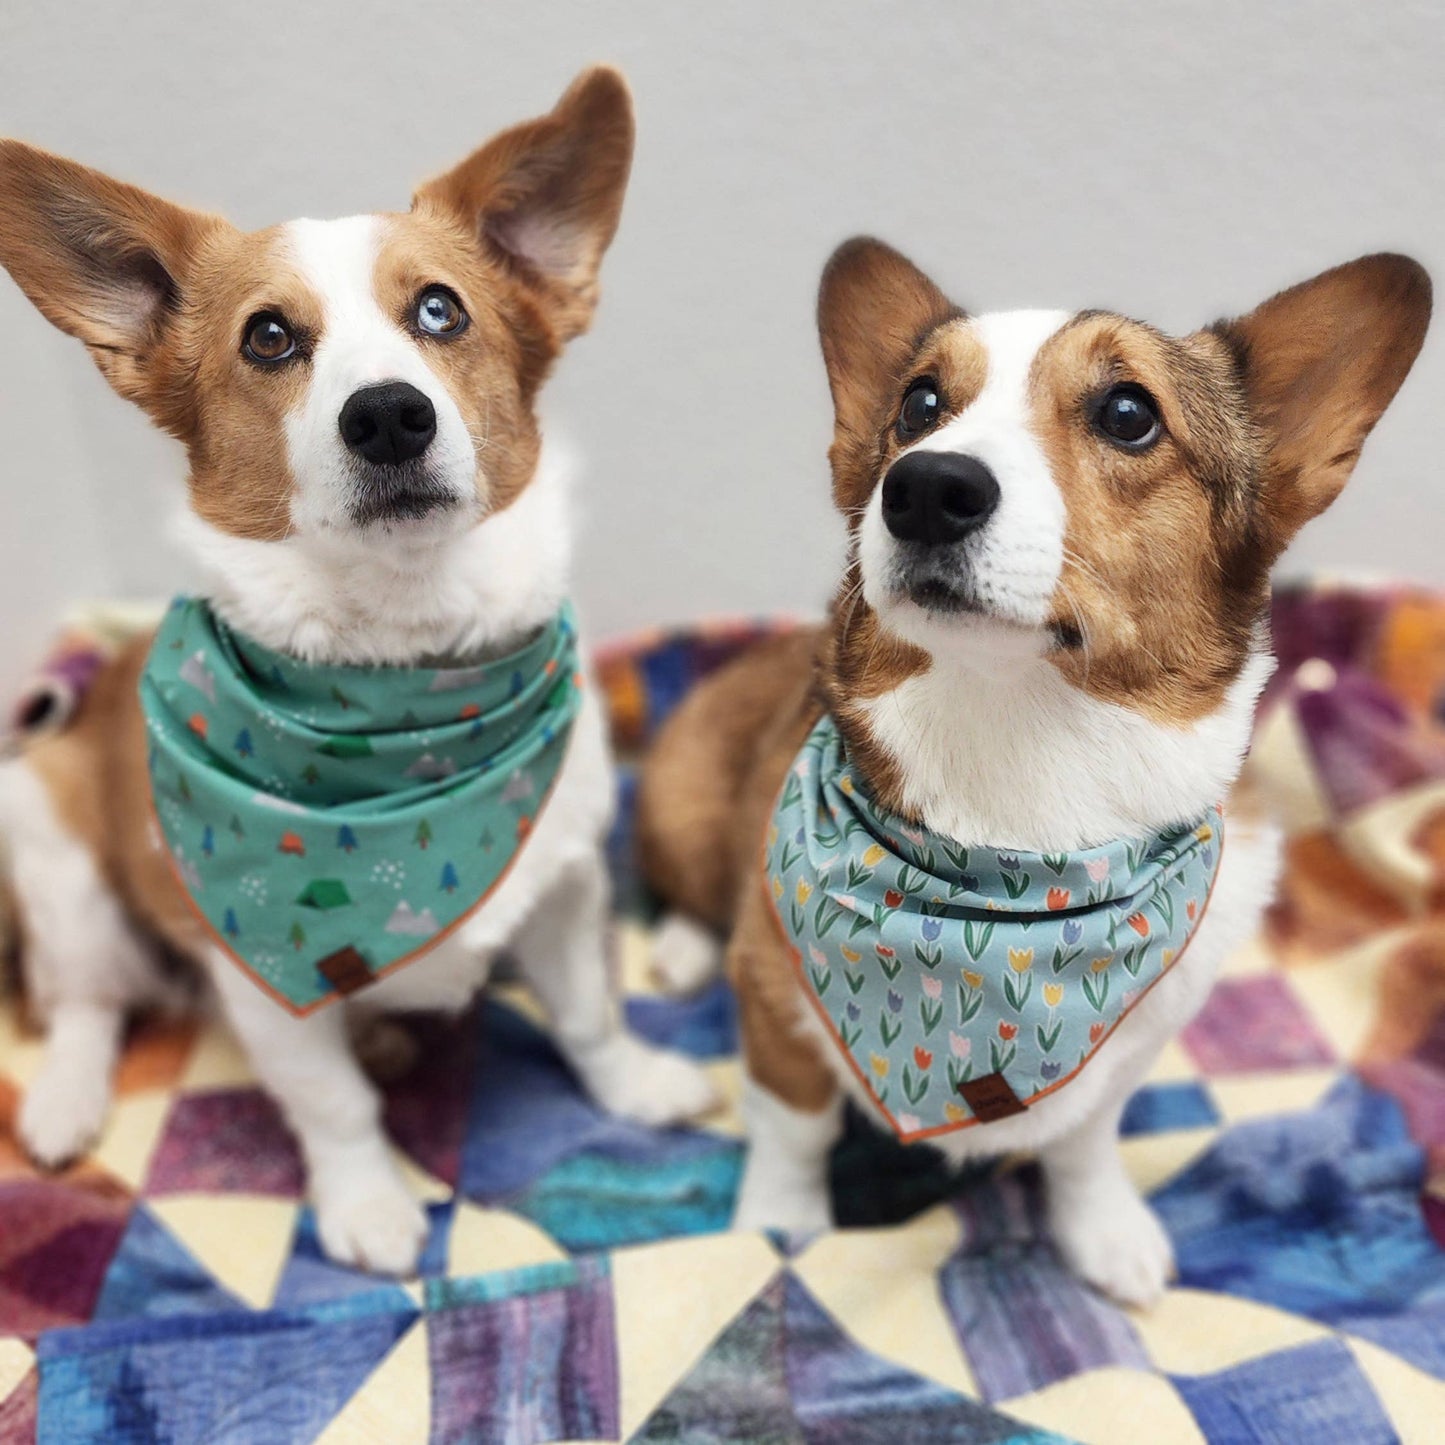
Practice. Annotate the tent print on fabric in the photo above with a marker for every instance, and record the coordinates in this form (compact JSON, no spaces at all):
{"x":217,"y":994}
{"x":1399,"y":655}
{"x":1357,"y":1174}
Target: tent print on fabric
{"x":324,"y":893}
{"x":346,"y":745}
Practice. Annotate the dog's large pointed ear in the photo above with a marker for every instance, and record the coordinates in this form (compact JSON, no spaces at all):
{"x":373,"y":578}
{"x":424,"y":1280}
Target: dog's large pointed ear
{"x":545,"y":196}
{"x":874,"y":309}
{"x":1320,"y":363}
{"x":106,"y":262}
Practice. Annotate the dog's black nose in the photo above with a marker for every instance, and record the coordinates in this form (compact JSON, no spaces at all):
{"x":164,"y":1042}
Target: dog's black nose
{"x":393,"y":422}
{"x":937,"y":497}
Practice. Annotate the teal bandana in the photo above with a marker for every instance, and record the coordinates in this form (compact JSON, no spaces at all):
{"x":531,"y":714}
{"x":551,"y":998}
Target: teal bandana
{"x":961,"y":984}
{"x":330,"y":824}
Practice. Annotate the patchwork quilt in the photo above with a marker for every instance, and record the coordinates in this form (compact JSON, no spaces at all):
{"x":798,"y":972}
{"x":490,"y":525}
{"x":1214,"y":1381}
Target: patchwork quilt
{"x":580,"y":1282}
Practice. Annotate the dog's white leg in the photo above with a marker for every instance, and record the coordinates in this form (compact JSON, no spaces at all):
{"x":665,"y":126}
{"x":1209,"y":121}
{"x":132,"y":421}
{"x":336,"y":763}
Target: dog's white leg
{"x":785,"y":1178}
{"x":686,"y":955}
{"x":562,"y":951}
{"x":365,"y":1214}
{"x":67,"y":1101}
{"x":84,"y":968}
{"x":1105,"y":1232}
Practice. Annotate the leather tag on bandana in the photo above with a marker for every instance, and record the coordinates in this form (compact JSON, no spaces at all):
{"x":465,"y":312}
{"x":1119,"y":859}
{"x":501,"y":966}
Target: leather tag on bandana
{"x":990,"y":1098}
{"x":345,"y":970}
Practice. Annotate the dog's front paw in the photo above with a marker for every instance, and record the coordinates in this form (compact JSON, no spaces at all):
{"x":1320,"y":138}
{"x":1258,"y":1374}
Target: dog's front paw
{"x":1114,"y":1241}
{"x":371,"y":1223}
{"x":654,"y":1086}
{"x":63,"y":1111}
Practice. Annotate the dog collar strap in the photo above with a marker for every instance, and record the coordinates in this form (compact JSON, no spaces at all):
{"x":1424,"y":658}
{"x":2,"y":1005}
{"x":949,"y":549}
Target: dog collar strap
{"x":329,"y":824}
{"x":961,"y":984}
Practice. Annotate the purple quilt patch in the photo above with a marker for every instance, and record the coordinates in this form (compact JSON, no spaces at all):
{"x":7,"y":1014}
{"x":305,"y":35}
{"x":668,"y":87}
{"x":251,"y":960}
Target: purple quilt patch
{"x":1251,"y":1025}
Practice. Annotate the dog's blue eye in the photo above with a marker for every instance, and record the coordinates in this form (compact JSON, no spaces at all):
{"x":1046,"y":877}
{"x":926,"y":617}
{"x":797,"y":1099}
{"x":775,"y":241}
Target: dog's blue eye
{"x":439,"y":313}
{"x":1129,"y":416}
{"x":921,"y":408}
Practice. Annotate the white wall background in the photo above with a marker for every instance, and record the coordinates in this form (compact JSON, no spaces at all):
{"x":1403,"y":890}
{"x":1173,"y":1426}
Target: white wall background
{"x":1177,"y":161}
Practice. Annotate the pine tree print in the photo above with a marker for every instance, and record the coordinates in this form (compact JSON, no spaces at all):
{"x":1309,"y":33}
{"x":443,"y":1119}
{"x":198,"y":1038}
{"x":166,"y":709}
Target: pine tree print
{"x":311,"y":775}
{"x":297,"y":936}
{"x":208,"y":842}
{"x":229,"y":926}
{"x":423,"y":834}
{"x":450,"y":881}
{"x":243,"y":745}
{"x":346,"y":839}
{"x":235,"y":827}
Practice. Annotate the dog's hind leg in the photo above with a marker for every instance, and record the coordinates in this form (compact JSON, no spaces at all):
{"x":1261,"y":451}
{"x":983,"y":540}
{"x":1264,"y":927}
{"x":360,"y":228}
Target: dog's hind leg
{"x":83,"y":964}
{"x":562,"y":950}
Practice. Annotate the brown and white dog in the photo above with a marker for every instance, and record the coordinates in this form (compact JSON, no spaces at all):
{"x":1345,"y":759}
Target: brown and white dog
{"x":1050,"y":635}
{"x":246,"y":347}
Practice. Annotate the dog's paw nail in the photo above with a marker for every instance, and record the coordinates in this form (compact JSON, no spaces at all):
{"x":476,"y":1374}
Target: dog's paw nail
{"x":381,"y":1229}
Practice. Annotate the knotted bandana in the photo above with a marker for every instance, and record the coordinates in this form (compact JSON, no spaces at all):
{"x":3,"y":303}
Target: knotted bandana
{"x":329,"y":824}
{"x":961,"y":984}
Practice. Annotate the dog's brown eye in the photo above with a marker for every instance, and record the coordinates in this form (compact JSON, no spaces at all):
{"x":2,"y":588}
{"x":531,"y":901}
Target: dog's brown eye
{"x":921,"y":407}
{"x":1128,"y":416}
{"x":439,"y":313}
{"x":268,"y":339}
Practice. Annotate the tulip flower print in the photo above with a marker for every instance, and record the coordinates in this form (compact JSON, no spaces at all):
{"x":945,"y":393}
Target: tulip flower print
{"x":922,"y":1057}
{"x":1139,"y":924}
{"x":1019,"y":982}
{"x":1053,"y":994}
{"x":1097,"y":869}
{"x":1057,"y":898}
{"x":892,"y":898}
{"x":959,"y":1046}
{"x":909,"y":1123}
{"x":804,"y":890}
{"x":1001,"y":1054}
{"x":1072,"y":931}
{"x":931,"y":928}
{"x":879,"y":1065}
{"x":1096,"y":1032}
{"x":895,"y":1001}
{"x":932,"y":987}
{"x":1049,"y":1070}
{"x":873,"y":855}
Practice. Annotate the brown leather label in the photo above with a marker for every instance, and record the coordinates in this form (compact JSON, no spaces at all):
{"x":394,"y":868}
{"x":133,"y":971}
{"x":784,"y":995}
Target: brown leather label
{"x":990,"y":1098}
{"x":345,"y":970}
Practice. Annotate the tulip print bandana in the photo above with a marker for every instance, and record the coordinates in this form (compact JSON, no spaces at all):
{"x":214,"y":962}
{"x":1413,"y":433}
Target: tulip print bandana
{"x":960,"y":983}
{"x":331,"y":823}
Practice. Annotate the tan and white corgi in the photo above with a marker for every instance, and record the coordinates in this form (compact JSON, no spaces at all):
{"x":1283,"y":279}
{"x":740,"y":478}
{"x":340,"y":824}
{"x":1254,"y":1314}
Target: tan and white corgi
{"x":368,"y":487}
{"x":1050,"y":637}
